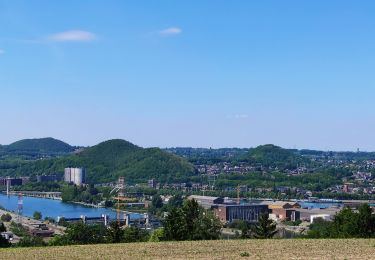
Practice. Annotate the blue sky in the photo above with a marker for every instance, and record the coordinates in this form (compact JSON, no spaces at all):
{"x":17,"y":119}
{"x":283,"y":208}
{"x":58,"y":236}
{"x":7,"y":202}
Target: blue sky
{"x":189,"y":73}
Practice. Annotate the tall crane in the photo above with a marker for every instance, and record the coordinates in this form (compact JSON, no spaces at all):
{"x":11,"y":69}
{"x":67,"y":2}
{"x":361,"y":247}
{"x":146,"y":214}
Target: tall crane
{"x":119,"y":189}
{"x":239,"y":193}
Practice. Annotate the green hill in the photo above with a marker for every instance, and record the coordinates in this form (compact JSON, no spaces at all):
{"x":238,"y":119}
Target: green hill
{"x":41,"y":145}
{"x":273,"y":156}
{"x":107,"y":161}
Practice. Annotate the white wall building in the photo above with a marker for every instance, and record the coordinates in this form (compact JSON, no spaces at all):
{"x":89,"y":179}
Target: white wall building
{"x":326,"y":217}
{"x":75,"y":175}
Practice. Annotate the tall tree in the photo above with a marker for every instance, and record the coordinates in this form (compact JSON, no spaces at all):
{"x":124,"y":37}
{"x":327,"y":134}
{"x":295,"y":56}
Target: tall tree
{"x":345,"y":224}
{"x":191,"y":222}
{"x":366,"y":222}
{"x":175,"y":225}
{"x":265,"y":228}
{"x":114,"y":233}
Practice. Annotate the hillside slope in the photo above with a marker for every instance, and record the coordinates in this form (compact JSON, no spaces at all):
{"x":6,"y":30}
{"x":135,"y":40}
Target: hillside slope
{"x":38,"y":146}
{"x":107,"y":161}
{"x":273,"y":156}
{"x":221,"y":249}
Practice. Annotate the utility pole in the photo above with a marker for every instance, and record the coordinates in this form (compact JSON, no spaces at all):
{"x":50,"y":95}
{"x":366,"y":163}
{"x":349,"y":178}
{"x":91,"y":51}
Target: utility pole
{"x":238,"y":194}
{"x":20,"y":205}
{"x":8,"y":185}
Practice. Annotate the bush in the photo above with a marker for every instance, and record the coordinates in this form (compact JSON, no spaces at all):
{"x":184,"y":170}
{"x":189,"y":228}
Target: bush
{"x":29,"y":241}
{"x":244,"y":254}
{"x":19,"y":230}
{"x":6,"y":217}
{"x":4,"y":242}
{"x":157,"y":235}
{"x":37,"y":215}
{"x":2,"y":228}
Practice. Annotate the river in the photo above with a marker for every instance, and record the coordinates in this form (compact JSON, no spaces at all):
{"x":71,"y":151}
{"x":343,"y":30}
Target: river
{"x":54,"y":208}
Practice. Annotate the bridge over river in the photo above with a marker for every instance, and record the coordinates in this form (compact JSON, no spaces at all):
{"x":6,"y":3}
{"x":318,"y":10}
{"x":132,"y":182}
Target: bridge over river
{"x":38,"y":194}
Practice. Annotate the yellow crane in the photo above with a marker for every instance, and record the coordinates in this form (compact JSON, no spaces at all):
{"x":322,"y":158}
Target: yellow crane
{"x":119,"y":188}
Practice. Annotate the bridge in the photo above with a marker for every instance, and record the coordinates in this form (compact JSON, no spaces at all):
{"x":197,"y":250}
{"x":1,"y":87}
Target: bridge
{"x":142,"y":220}
{"x":39,"y":194}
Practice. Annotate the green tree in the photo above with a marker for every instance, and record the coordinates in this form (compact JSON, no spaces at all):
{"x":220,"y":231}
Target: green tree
{"x":191,"y":222}
{"x":366,"y":225}
{"x":37,"y":215}
{"x":191,"y":211}
{"x":80,"y":233}
{"x":346,"y":224}
{"x":244,"y":226}
{"x":2,"y":227}
{"x":115,"y":234}
{"x":135,"y":234}
{"x":175,"y":225}
{"x":6,"y":217}
{"x":157,"y":202}
{"x":4,"y":242}
{"x":157,"y":235}
{"x":30,"y":241}
{"x":207,"y":227}
{"x":265,"y":228}
{"x":321,"y":229}
{"x":176,"y":201}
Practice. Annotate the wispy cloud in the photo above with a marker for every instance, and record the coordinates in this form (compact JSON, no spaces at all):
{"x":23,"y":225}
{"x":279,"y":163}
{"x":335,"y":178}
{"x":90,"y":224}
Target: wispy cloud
{"x":170,"y":31}
{"x":239,"y":116}
{"x":72,"y":36}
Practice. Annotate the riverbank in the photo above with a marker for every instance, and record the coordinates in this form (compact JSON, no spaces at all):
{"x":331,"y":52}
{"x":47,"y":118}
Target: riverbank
{"x":30,"y":222}
{"x":86,"y":204}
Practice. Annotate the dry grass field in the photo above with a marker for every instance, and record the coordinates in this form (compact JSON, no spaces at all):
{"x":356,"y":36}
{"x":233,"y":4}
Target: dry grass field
{"x":233,"y":249}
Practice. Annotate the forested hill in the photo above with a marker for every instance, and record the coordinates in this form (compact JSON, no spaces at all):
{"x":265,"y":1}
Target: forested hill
{"x":37,"y":147}
{"x":273,"y":156}
{"x":265,"y":155}
{"x":107,"y":161}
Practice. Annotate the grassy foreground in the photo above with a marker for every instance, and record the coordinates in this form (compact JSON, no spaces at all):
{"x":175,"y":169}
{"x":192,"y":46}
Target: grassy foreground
{"x":233,"y":249}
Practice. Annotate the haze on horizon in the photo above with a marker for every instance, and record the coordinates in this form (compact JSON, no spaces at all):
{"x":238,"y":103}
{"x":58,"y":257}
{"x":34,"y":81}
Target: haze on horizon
{"x":297,"y":74}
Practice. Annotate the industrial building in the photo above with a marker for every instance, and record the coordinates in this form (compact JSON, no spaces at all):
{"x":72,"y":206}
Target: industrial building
{"x":48,"y":178}
{"x":151,"y":183}
{"x":247,"y":212}
{"x":75,"y":175}
{"x":311,"y":214}
{"x":283,"y":210}
{"x":206,"y":201}
{"x":12,"y":181}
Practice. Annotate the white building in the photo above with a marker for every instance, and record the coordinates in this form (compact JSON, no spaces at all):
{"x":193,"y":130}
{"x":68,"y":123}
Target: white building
{"x":75,"y":175}
{"x":325,"y":217}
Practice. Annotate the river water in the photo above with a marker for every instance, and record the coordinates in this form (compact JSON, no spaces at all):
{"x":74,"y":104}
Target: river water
{"x":54,"y":208}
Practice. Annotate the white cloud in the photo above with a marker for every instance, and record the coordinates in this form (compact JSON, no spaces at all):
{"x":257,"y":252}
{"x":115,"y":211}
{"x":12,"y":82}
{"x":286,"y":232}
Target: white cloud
{"x":170,"y":31}
{"x":241,"y":116}
{"x":72,"y":36}
{"x":238,"y":116}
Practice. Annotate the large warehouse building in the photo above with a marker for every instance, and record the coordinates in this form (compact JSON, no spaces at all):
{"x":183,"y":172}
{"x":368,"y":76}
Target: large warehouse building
{"x":248,"y":212}
{"x":75,"y":175}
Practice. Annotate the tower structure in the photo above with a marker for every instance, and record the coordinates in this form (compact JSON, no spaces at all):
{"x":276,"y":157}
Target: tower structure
{"x":120,"y":195}
{"x":120,"y":190}
{"x":238,"y":194}
{"x":20,"y":205}
{"x":8,"y":185}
